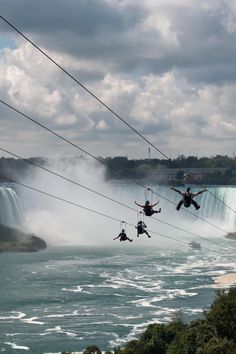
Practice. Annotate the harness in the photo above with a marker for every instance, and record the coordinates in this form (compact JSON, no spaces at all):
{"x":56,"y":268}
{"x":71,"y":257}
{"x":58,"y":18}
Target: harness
{"x":147,"y":210}
{"x":187,"y":198}
{"x":123,"y":236}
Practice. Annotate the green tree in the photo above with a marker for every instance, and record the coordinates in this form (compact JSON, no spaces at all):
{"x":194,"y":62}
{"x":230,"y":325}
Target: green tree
{"x":92,"y":349}
{"x":192,"y":337}
{"x":223,"y":314}
{"x":218,"y":346}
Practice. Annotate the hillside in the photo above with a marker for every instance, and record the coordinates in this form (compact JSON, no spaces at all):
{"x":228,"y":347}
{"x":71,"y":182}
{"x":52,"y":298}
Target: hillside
{"x":14,"y":240}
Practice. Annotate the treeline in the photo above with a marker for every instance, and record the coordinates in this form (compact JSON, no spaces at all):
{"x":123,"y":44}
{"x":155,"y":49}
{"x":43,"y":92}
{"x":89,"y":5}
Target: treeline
{"x":215,"y":334}
{"x":120,"y":167}
{"x":141,"y":169}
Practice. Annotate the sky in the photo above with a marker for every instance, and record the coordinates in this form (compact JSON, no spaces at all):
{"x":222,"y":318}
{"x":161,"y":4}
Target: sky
{"x":166,"y":67}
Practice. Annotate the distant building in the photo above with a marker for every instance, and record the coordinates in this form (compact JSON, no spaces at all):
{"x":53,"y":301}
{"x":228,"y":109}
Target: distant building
{"x":165,"y":175}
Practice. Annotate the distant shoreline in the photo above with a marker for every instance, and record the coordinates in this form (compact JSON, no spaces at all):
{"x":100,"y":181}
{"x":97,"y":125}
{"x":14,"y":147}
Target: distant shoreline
{"x":225,"y":280}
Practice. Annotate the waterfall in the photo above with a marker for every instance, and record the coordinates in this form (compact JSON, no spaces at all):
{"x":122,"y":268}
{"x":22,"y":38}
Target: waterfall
{"x":11,"y":210}
{"x":211,"y":208}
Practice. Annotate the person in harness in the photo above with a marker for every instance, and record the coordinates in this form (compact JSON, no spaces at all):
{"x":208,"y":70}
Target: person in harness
{"x":148,"y":208}
{"x":122,"y":236}
{"x":141,"y":229}
{"x":188,"y":198}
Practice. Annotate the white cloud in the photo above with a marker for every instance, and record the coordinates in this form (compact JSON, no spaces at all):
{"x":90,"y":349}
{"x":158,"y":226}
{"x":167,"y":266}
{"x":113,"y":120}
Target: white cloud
{"x":167,"y":68}
{"x":102,"y":125}
{"x":66,"y":120}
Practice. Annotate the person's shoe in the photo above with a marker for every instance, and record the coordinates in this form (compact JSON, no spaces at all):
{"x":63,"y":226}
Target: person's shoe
{"x":149,"y":236}
{"x":198,"y":207}
{"x":131,"y":240}
{"x":159,"y":210}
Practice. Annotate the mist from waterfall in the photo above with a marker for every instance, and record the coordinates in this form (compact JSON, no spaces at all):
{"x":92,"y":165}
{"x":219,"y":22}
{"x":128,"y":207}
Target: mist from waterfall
{"x":60,"y":223}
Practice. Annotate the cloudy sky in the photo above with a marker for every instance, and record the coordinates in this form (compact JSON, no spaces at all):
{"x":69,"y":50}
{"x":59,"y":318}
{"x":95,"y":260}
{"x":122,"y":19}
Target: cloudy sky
{"x":167,"y":67}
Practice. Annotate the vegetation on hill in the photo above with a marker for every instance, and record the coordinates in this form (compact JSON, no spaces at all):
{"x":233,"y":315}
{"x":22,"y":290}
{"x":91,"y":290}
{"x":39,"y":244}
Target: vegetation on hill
{"x":136,"y":169}
{"x":215,"y":334}
{"x":13,"y":240}
{"x":140,"y":169}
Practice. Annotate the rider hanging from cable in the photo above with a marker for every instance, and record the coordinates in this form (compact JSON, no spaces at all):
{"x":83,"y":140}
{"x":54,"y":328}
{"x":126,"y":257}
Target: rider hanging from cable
{"x":122,"y":235}
{"x":148,"y":208}
{"x":141,"y":228}
{"x":188,"y":197}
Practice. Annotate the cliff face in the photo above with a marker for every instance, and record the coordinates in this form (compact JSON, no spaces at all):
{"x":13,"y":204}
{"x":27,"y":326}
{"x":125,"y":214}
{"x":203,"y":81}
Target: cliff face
{"x":231,"y":235}
{"x":14,"y":240}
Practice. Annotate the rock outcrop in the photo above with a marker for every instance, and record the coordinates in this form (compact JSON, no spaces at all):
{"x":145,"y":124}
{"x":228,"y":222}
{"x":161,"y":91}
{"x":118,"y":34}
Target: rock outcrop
{"x":231,"y":235}
{"x":14,"y":240}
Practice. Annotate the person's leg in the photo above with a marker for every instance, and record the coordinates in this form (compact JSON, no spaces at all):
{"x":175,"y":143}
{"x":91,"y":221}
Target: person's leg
{"x":195,"y":204}
{"x":180,"y":204}
{"x":147,"y":233}
{"x":157,"y":211}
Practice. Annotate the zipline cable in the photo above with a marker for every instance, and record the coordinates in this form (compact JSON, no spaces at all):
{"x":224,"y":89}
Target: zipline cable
{"x":83,"y":86}
{"x":103,"y":162}
{"x":80,"y":206}
{"x":97,"y":98}
{"x":103,"y":195}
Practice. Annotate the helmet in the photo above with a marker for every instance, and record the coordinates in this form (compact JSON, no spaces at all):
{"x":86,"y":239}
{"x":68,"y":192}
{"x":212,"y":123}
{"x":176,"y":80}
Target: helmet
{"x":188,"y":189}
{"x":123,"y":230}
{"x":147,"y":202}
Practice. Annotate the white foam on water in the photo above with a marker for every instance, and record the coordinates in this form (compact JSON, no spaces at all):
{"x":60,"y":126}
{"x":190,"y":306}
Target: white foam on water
{"x":58,"y":329}
{"x":76,"y":289}
{"x":17,"y":316}
{"x":32,"y":320}
{"x":128,"y":317}
{"x":55,"y":316}
{"x":15,"y":346}
{"x":192,"y":311}
{"x":60,"y":315}
{"x":143,"y":302}
{"x":165,"y":310}
{"x":120,"y":282}
{"x":100,"y":322}
{"x":176,"y":293}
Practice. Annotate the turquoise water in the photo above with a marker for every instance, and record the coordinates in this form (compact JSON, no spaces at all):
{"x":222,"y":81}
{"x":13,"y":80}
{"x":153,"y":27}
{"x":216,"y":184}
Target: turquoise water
{"x":107,"y":292}
{"x":68,"y":298}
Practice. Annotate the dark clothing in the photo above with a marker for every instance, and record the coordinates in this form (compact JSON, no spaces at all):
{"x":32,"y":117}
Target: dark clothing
{"x":141,"y":229}
{"x":123,"y":236}
{"x":148,"y":208}
{"x":148,"y":211}
{"x":188,"y":198}
{"x":187,"y":205}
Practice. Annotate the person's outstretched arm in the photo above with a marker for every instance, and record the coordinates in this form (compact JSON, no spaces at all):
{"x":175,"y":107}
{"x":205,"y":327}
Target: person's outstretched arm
{"x":142,"y":206}
{"x":154,"y":204}
{"x":176,"y":190}
{"x":116,"y":237}
{"x":195,"y":194}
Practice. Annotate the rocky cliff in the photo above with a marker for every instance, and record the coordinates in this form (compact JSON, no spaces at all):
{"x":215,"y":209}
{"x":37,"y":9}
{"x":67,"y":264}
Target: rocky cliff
{"x":14,"y":240}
